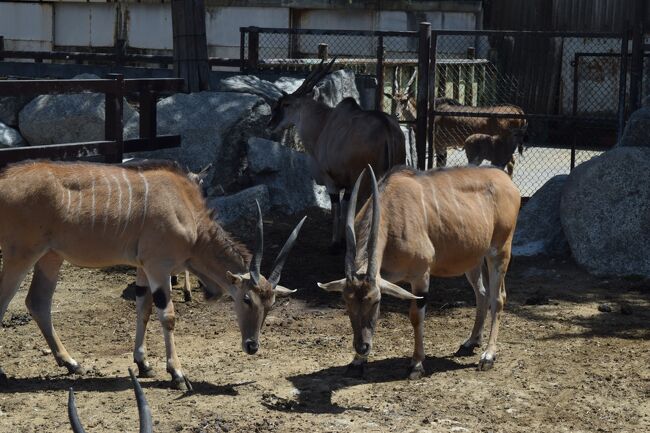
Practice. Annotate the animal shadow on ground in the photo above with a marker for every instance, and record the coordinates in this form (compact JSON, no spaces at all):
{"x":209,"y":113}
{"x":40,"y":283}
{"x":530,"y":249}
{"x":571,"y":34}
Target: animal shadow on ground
{"x":316,"y":389}
{"x":106,"y":384}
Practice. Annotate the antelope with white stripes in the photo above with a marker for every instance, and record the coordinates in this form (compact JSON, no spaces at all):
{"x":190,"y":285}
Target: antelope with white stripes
{"x":152,"y":217}
{"x":441,"y":223}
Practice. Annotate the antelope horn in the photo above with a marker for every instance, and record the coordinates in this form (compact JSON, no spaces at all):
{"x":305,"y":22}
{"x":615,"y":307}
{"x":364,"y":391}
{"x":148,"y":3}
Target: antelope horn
{"x":350,"y":238}
{"x":144,"y":412}
{"x":314,"y":77}
{"x":373,"y":269}
{"x":396,"y":73}
{"x":274,"y":278}
{"x":256,"y":263}
{"x":73,"y":415}
{"x":411,"y":80}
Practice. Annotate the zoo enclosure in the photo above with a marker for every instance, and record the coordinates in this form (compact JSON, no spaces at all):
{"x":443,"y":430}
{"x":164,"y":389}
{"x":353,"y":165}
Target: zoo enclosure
{"x":115,"y":88}
{"x":572,"y":86}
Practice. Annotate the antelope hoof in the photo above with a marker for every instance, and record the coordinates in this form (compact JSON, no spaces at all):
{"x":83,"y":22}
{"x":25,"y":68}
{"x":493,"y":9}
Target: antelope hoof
{"x":466,"y":350}
{"x":145,"y":370}
{"x":486,"y":362}
{"x":354,"y":371}
{"x":74,"y":368}
{"x":181,"y":383}
{"x":417,"y":371}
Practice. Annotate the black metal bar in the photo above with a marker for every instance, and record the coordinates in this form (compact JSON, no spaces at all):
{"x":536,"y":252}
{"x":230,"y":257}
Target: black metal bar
{"x":424,"y":43}
{"x":622,"y":87}
{"x":2,"y":48}
{"x":433,"y":57}
{"x":636,"y":67}
{"x":158,"y":85}
{"x":520,"y":116}
{"x":323,"y":51}
{"x":324,"y":32}
{"x":242,"y":42}
{"x":147,"y":101}
{"x":40,"y":87}
{"x":253,"y":49}
{"x":379,"y":73}
{"x":113,"y":127}
{"x":63,"y":152}
{"x":148,"y":144}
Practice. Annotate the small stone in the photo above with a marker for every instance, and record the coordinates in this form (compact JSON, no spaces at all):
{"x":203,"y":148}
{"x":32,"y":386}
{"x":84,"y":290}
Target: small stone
{"x":46,"y":351}
{"x":605,"y":308}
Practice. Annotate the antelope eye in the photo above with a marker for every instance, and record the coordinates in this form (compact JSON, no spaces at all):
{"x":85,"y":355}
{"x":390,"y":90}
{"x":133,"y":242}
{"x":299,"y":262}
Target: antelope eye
{"x":247,"y":299}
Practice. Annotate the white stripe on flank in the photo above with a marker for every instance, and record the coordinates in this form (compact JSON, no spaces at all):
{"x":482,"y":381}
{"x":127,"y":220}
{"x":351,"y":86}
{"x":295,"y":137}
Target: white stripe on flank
{"x":146,"y":197}
{"x":92,"y":203}
{"x":128,"y":210}
{"x":80,"y":197}
{"x":424,"y":210}
{"x":108,"y":200}
{"x":119,"y":201}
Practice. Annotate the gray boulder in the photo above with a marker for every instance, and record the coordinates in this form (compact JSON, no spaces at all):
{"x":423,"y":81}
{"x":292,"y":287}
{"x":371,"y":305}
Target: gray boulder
{"x":605,"y":212}
{"x":214,"y":127}
{"x":233,"y":208}
{"x":411,"y":148}
{"x":539,"y":230}
{"x":250,"y":84}
{"x":335,"y":87}
{"x":70,"y":118}
{"x":286,"y":174}
{"x":288,"y":84}
{"x":636,"y":132}
{"x":9,"y":137}
{"x":10,"y":106}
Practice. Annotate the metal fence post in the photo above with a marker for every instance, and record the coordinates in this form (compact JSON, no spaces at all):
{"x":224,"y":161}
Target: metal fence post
{"x":253,"y":48}
{"x":113,"y":129}
{"x":622,"y":86}
{"x":242,"y":42}
{"x":379,"y":73}
{"x":323,"y":51}
{"x":148,"y":114}
{"x":424,"y":42}
{"x":432,"y":102}
{"x":2,"y":47}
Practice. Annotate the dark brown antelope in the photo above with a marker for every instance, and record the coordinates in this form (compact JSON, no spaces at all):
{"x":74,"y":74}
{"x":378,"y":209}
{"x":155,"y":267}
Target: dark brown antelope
{"x":151,"y":217}
{"x":144,"y":412}
{"x":439,"y":223}
{"x":341,"y":141}
{"x":498,"y":149}
{"x":451,"y":131}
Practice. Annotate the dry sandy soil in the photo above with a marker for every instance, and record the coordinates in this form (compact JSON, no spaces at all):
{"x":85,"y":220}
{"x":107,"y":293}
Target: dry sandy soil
{"x":563,"y":365}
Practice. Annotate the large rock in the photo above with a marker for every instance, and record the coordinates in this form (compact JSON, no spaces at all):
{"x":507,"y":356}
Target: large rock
{"x":605,"y":212}
{"x":636,"y":132}
{"x":288,"y":84}
{"x":411,"y":148}
{"x":9,"y":137}
{"x":10,"y":106}
{"x":214,"y":128}
{"x":539,"y":230}
{"x":335,"y":87}
{"x":286,"y":174}
{"x":250,"y":84}
{"x":236,"y":207}
{"x":71,"y":118}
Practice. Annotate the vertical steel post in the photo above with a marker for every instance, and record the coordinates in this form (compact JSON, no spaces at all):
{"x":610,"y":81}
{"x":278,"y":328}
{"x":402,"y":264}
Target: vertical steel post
{"x":622,"y":86}
{"x":432,"y":101}
{"x":424,"y":43}
{"x":114,"y":107}
{"x":253,"y":49}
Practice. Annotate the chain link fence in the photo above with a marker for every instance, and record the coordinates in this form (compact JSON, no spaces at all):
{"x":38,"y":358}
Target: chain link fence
{"x":556,"y":95}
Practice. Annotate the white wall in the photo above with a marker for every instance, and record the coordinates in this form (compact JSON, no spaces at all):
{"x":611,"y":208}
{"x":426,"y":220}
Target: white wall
{"x":78,"y":24}
{"x":26,"y":26}
{"x":150,"y":26}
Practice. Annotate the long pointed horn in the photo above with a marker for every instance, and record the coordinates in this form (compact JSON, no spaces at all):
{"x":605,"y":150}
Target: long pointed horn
{"x":274,"y":278}
{"x":144,"y":412}
{"x":396,"y":73}
{"x":256,"y":263}
{"x":374,"y":230}
{"x":350,"y":238}
{"x":411,"y":80}
{"x":314,"y":77}
{"x":73,"y":415}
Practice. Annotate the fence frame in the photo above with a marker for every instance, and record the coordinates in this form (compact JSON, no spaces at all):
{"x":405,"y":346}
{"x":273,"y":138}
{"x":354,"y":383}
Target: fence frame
{"x":112,"y":149}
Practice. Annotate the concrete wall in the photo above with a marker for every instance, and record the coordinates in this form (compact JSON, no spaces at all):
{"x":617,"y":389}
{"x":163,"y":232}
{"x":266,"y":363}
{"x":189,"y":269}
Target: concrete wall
{"x":147,"y":25}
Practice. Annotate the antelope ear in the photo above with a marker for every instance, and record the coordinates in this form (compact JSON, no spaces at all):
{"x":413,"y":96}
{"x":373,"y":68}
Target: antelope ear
{"x":282,"y":291}
{"x":333,"y":286}
{"x":388,"y":288}
{"x":388,"y":95}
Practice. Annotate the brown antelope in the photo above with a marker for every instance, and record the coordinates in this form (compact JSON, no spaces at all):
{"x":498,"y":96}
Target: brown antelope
{"x":144,"y":412}
{"x":341,"y":141}
{"x":451,"y":131}
{"x":497,"y":149}
{"x":404,"y":99}
{"x":436,"y":223}
{"x":151,"y":217}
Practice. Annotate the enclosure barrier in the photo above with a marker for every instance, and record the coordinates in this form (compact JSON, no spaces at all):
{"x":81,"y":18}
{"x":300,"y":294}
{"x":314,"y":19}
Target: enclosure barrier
{"x":115,"y":89}
{"x":569,"y":88}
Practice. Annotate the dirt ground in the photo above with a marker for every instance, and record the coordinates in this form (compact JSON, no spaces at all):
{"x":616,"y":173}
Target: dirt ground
{"x":563,"y":364}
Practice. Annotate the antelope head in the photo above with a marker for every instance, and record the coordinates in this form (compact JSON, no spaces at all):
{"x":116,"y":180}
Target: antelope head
{"x":199,"y":177}
{"x":362,"y":289}
{"x":144,"y":412}
{"x":254,"y":295}
{"x":403,"y":98}
{"x":286,"y":110}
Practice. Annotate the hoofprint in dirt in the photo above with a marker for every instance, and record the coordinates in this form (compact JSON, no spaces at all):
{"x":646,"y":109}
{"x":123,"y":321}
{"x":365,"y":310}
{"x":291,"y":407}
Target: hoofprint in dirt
{"x":563,"y":365}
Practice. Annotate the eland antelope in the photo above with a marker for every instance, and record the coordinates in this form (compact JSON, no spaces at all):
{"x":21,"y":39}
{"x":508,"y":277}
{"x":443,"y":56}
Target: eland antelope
{"x":151,"y":217}
{"x":341,"y":141}
{"x":144,"y":412}
{"x":441,"y":223}
{"x":497,"y":149}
